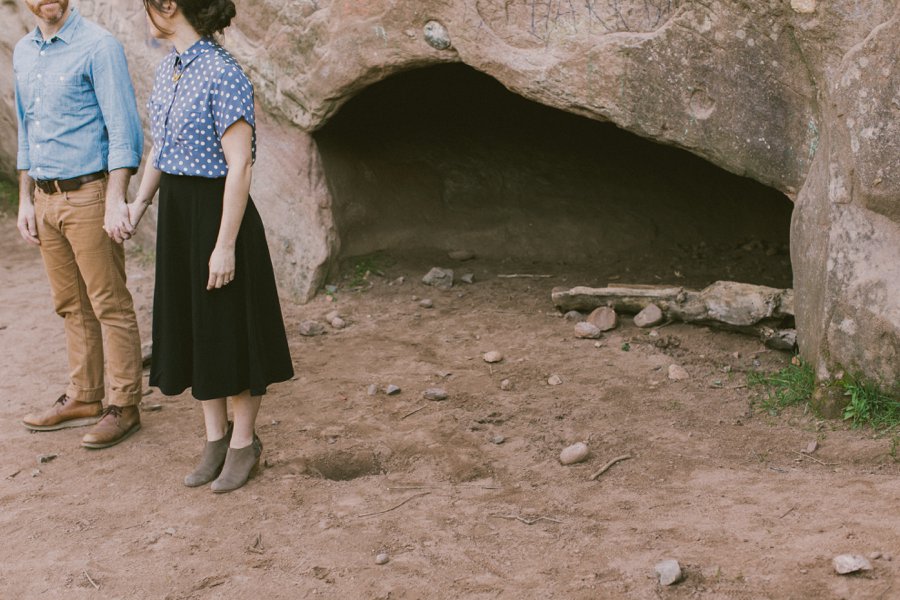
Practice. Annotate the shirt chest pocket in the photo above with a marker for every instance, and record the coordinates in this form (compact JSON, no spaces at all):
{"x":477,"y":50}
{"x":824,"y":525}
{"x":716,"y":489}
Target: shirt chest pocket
{"x":66,"y":93}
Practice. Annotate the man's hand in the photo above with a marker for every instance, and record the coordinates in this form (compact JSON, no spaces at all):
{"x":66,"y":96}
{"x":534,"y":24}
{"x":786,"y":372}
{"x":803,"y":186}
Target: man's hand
{"x":27,"y":223}
{"x":117,"y":222}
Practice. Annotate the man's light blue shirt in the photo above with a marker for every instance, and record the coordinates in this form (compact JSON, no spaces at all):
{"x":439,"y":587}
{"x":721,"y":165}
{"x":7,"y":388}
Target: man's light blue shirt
{"x":75,"y":103}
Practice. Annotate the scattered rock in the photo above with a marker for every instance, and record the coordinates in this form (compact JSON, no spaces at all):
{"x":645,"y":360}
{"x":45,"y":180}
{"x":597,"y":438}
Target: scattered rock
{"x":468,"y":278}
{"x":170,"y":531}
{"x":45,"y":458}
{"x":677,"y":373}
{"x":332,"y":316}
{"x":439,"y":278}
{"x":587,"y":331}
{"x":649,"y":317}
{"x":372,"y":390}
{"x":392,"y":389}
{"x":399,"y":281}
{"x":492,"y":357}
{"x":435,"y":394}
{"x":461,"y":255}
{"x":497,"y":439}
{"x":436,"y":35}
{"x":338,"y":323}
{"x":574,"y":454}
{"x":844,"y":564}
{"x":603,"y":318}
{"x":35,"y":472}
{"x":668,"y":572}
{"x":506,"y":385}
{"x":554,"y":380}
{"x":311,"y":328}
{"x":151,"y":407}
{"x":874,"y":555}
{"x":382,"y":558}
{"x":574,"y":315}
{"x":811,"y":447}
{"x":426,"y":303}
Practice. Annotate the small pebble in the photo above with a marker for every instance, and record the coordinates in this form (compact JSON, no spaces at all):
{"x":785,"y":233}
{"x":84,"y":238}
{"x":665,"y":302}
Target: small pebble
{"x":574,"y":454}
{"x":311,"y":328}
{"x":392,"y":389}
{"x":587,"y":331}
{"x":151,"y":407}
{"x":554,"y":380}
{"x":678,"y":373}
{"x":668,"y":572}
{"x":372,"y":390}
{"x":435,"y":394}
{"x":468,"y":278}
{"x":35,"y":472}
{"x":332,"y":316}
{"x":845,"y":564}
{"x":382,"y":558}
{"x":170,"y":531}
{"x":812,"y":447}
{"x":875,"y":555}
{"x":506,"y":385}
{"x":398,"y":281}
{"x":426,"y":303}
{"x":461,"y":255}
{"x":45,"y":458}
{"x":649,"y":316}
{"x":498,"y":439}
{"x":492,"y":357}
{"x":573,"y":315}
{"x":338,"y":323}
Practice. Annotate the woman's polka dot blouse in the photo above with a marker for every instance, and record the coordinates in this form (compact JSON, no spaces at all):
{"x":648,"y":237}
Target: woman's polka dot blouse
{"x":197,"y":96}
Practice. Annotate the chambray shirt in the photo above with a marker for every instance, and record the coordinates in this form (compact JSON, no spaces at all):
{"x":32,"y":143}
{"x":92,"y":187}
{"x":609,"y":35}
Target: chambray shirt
{"x":75,"y":103}
{"x":196,"y":97}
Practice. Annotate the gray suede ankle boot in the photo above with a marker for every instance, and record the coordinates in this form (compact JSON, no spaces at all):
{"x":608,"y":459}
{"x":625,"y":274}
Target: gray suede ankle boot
{"x":240,"y":465}
{"x":211,"y":462}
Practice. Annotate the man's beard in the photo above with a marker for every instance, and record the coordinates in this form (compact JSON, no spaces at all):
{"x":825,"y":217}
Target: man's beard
{"x":55,"y":10}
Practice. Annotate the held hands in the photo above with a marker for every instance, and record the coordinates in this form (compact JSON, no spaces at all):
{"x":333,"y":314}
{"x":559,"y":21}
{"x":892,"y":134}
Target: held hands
{"x":221,"y":268}
{"x":27,"y":223}
{"x":117,"y":222}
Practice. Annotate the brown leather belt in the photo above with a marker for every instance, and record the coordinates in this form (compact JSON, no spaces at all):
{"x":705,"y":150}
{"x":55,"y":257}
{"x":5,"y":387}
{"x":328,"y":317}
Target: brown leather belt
{"x":52,"y":186}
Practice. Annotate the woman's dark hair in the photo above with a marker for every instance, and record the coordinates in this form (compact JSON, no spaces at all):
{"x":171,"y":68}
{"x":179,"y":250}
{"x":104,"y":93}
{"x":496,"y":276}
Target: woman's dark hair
{"x":208,"y":17}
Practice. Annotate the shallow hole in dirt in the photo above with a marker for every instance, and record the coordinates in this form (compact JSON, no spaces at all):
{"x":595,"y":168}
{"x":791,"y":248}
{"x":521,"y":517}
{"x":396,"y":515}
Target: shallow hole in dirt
{"x":344,"y":465}
{"x":446,"y":158}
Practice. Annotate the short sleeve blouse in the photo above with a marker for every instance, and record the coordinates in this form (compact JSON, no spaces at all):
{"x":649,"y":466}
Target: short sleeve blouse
{"x":197,"y":95}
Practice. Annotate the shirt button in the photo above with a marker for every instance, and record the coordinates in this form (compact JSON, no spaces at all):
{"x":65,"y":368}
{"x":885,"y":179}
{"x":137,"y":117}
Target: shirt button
{"x":38,"y":99}
{"x":38,"y":75}
{"x":43,"y":52}
{"x":38,"y":123}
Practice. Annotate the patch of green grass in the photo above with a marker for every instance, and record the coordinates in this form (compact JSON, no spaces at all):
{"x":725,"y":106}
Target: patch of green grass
{"x":869,"y":404}
{"x":9,"y":197}
{"x":790,"y":386}
{"x":364,"y":267}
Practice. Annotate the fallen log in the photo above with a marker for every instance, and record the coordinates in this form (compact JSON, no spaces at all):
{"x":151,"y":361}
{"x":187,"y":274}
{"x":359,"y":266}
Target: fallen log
{"x":756,"y":309}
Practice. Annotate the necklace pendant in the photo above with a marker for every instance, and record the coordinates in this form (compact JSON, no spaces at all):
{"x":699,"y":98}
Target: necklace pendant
{"x":176,"y":76}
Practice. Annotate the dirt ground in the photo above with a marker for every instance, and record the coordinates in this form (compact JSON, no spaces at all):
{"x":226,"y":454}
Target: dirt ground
{"x":712,"y":482}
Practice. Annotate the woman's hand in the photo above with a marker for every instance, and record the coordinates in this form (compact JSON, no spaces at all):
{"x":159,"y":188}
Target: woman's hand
{"x":221,"y":268}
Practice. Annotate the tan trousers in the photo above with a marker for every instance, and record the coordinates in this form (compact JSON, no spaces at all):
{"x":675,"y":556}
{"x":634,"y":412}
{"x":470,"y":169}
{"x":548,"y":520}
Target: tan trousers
{"x":87,"y":277}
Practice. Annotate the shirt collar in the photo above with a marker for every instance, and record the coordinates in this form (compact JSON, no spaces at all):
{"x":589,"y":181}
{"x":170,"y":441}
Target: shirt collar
{"x":197,"y":48}
{"x":67,"y":31}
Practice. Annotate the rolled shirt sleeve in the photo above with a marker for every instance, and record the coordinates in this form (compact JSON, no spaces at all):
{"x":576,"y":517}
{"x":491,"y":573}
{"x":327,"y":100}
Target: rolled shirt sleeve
{"x":231,"y":99}
{"x":23,"y":159}
{"x":115,"y":96}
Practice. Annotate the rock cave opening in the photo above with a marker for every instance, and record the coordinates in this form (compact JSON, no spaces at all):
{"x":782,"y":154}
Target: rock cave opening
{"x":446,"y":158}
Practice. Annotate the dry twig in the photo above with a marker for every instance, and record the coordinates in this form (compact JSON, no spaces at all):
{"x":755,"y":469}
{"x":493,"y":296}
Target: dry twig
{"x":526,"y":520}
{"x":522,"y":275}
{"x":604,"y":468}
{"x":787,"y":512}
{"x":381,"y":512}
{"x":91,"y":581}
{"x":804,"y":455}
{"x":409,"y":414}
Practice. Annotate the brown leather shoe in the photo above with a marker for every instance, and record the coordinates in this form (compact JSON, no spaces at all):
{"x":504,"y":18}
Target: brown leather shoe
{"x":64,"y":413}
{"x":116,"y":424}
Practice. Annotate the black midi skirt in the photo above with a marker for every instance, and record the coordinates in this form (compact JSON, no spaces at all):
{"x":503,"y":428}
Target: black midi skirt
{"x":217,"y":342}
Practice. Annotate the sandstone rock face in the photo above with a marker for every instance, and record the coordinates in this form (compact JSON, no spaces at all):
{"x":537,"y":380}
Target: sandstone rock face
{"x":801,"y":96}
